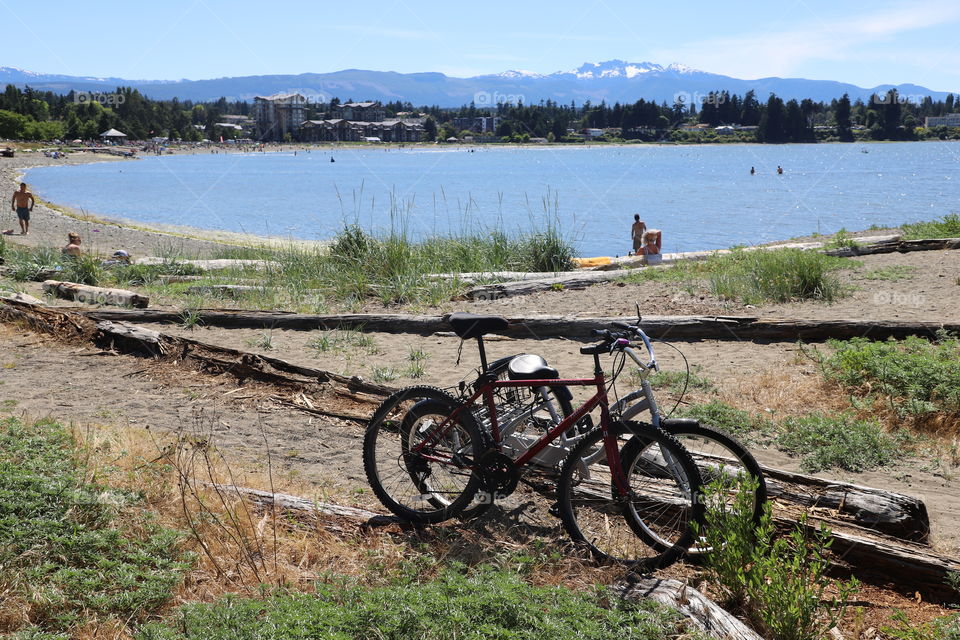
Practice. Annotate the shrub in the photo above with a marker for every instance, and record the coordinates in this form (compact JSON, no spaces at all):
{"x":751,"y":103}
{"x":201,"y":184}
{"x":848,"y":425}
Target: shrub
{"x":840,"y":441}
{"x":917,"y":377}
{"x":486,"y":603}
{"x":780,"y":582}
{"x":736,"y":422}
{"x":74,"y":554}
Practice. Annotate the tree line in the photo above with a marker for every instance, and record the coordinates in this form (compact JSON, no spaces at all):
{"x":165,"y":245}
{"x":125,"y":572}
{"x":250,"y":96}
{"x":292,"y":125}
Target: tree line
{"x":28,"y":114}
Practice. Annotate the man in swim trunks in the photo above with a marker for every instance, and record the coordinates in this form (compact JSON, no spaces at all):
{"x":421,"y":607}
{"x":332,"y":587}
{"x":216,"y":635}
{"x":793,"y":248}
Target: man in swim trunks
{"x":22,"y":202}
{"x":636,"y":232}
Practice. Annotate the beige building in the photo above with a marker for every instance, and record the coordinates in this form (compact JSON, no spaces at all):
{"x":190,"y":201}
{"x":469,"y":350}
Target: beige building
{"x":280,"y":114}
{"x":949,"y":120}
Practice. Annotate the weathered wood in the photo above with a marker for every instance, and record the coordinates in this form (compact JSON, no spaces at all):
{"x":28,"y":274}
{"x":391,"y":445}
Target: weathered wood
{"x":213,"y":265}
{"x":95,"y":295}
{"x":703,"y":613}
{"x":843,"y":504}
{"x":132,"y":338}
{"x":668,"y":327}
{"x":19,"y":296}
{"x":904,"y":566}
{"x":313,"y":507}
{"x":897,"y":246}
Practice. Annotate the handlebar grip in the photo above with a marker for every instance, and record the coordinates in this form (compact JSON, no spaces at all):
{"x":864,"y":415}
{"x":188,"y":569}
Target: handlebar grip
{"x":595,"y":349}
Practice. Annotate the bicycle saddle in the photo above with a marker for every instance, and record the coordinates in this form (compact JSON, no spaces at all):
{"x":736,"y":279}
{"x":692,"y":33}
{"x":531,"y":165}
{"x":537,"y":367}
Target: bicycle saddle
{"x":469,"y":325}
{"x":531,"y":367}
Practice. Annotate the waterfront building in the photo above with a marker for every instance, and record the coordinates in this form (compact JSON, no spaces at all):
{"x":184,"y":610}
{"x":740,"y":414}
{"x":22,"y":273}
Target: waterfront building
{"x":948,"y":120}
{"x":360,"y":112}
{"x":277,"y":115}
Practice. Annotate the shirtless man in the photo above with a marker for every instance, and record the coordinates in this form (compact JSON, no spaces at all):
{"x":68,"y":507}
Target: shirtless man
{"x":22,"y":203}
{"x":636,"y":232}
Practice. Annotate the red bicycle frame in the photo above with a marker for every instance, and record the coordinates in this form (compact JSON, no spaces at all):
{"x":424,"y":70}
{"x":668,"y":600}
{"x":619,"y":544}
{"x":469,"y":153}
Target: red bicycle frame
{"x":599,"y":398}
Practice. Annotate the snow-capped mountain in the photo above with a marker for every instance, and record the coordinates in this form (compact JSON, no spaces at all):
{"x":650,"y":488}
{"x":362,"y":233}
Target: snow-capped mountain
{"x":612,"y":80}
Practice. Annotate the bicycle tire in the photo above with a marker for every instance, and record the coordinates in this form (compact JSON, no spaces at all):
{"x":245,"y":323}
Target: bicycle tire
{"x":716,"y":452}
{"x":433,"y":484}
{"x":664,"y":504}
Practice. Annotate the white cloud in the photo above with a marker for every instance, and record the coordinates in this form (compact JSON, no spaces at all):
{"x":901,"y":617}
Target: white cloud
{"x":787,"y":51}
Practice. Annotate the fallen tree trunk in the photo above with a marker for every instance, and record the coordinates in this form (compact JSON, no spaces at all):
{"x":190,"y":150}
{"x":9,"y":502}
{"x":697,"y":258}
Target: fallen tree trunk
{"x":841,"y":503}
{"x":668,"y":327}
{"x":897,"y":246}
{"x":223,"y":359}
{"x":903,"y":566}
{"x":95,"y":295}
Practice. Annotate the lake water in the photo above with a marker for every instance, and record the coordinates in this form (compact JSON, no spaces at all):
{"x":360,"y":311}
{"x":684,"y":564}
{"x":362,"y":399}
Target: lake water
{"x":702,"y":197}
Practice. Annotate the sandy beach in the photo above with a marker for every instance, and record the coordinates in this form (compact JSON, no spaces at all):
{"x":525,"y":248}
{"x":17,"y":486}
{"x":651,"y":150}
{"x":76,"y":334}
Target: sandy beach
{"x":50,"y":224}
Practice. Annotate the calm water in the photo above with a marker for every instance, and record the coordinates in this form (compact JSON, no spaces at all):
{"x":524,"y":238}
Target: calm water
{"x":703,"y":197}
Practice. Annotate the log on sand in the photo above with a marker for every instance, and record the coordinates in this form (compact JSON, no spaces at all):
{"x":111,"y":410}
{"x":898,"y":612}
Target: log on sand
{"x":666,"y":327}
{"x":95,"y":295}
{"x":703,"y":613}
{"x":842,"y":503}
{"x":897,"y":246}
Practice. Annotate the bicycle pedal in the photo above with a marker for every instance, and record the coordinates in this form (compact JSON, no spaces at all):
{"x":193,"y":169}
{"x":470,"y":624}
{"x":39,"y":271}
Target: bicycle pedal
{"x":554,"y":510}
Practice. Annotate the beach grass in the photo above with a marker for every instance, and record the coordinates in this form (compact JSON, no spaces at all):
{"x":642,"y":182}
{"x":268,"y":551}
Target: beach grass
{"x":755,"y":277}
{"x":946,"y":227}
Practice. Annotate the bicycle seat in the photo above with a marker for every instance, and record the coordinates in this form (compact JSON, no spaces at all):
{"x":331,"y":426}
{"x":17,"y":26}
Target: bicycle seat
{"x":531,"y":367}
{"x":469,"y":325}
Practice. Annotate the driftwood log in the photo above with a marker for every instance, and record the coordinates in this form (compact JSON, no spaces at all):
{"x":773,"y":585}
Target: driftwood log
{"x":841,"y":503}
{"x":897,"y":246}
{"x":95,"y":295}
{"x":700,"y":611}
{"x":667,"y":327}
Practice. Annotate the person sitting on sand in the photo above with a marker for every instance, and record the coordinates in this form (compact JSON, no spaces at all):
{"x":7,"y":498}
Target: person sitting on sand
{"x":652,"y":242}
{"x":636,"y":232}
{"x":73,"y":246}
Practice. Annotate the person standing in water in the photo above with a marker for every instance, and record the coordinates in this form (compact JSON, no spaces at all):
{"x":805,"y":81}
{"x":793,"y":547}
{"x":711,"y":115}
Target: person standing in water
{"x":22,"y":202}
{"x":636,"y":232}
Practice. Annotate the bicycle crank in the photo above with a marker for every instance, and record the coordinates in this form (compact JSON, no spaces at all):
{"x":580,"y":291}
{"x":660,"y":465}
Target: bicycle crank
{"x":498,"y":474}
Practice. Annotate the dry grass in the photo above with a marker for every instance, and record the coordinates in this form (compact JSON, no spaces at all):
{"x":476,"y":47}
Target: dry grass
{"x":240,"y":548}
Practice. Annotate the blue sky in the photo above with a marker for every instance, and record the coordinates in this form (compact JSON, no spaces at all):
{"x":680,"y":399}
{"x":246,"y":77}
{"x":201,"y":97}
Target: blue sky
{"x":884,"y":41}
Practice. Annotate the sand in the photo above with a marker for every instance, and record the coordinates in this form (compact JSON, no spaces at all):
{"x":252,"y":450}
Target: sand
{"x":49,"y":225}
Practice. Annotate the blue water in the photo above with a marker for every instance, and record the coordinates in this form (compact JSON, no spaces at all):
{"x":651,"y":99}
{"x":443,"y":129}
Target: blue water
{"x":702,"y":197}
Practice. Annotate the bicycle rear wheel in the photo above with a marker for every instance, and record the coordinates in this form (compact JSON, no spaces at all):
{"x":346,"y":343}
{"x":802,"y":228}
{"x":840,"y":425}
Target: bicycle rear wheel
{"x":418,"y":461}
{"x":718,"y":455}
{"x":662,"y":501}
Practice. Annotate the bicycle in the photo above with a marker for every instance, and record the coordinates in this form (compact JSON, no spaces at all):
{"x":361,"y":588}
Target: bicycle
{"x":428,"y":465}
{"x":719,"y":455}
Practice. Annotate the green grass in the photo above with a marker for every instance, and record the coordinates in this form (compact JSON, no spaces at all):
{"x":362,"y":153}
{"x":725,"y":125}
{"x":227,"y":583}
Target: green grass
{"x":738,"y":423}
{"x":754,"y":277}
{"x":946,"y":227}
{"x":676,"y":381}
{"x":842,"y":442}
{"x":344,"y":341}
{"x":893,"y":273}
{"x":915,"y":376}
{"x":478,"y":604}
{"x":784,"y":275}
{"x":71,"y":551}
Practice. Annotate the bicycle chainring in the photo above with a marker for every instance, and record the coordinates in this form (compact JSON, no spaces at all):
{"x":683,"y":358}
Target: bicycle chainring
{"x":498,"y":474}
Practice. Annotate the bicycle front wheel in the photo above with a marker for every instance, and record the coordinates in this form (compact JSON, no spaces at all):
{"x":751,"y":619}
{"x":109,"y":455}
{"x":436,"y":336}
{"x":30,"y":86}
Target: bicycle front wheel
{"x":662,"y":500}
{"x":419,"y":462}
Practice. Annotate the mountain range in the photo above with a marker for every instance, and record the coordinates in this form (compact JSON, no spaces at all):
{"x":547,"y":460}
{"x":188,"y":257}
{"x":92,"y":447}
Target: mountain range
{"x":613,"y":80}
